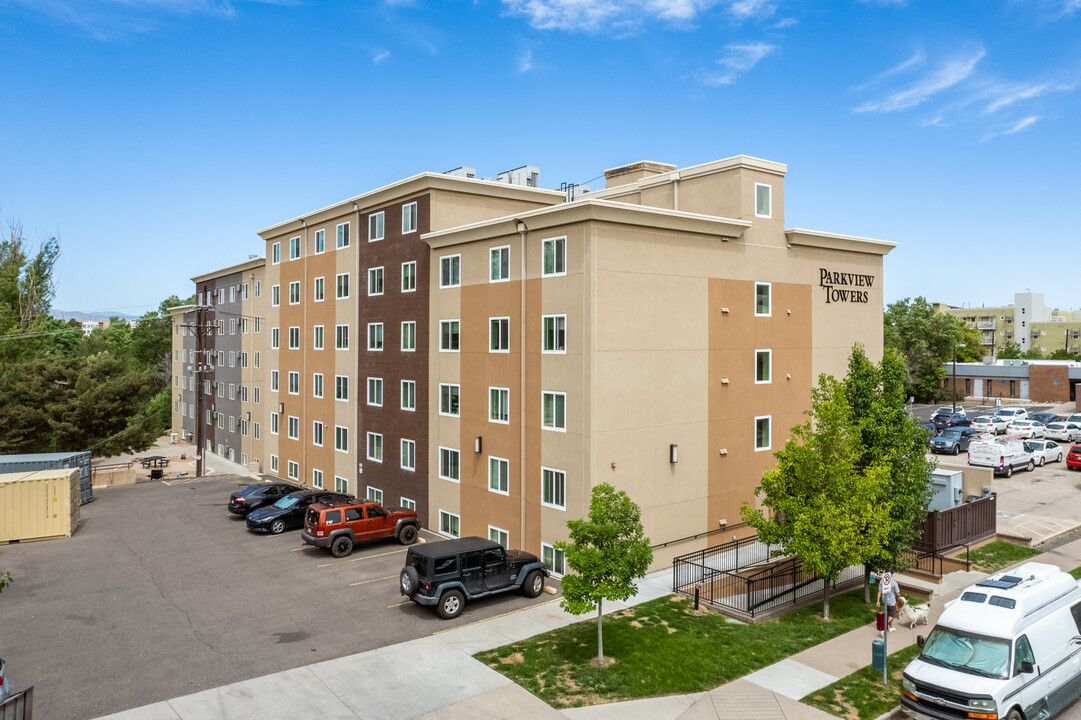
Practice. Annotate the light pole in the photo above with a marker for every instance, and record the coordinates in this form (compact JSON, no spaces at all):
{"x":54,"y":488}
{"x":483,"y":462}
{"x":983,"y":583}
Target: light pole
{"x":953,"y":393}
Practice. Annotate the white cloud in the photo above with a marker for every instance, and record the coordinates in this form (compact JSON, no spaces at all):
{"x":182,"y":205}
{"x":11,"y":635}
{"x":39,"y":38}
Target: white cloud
{"x":785,"y":23}
{"x":918,"y":58}
{"x":525,"y":62}
{"x":747,"y":9}
{"x":1019,"y":126}
{"x":627,"y":15}
{"x":380,"y":56}
{"x":1004,"y":95}
{"x":736,"y":61}
{"x":944,"y":78}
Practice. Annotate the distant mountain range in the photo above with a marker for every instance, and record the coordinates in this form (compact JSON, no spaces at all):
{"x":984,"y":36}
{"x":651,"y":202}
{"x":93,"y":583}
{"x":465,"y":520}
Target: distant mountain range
{"x":82,"y":316}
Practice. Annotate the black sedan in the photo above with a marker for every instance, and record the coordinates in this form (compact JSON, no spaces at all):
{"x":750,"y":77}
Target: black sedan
{"x":252,"y":497}
{"x":288,"y":512}
{"x":945,"y":420}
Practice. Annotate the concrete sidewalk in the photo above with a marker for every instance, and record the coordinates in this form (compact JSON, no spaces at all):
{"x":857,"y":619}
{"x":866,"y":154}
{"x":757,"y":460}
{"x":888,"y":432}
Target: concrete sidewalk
{"x":436,"y":678}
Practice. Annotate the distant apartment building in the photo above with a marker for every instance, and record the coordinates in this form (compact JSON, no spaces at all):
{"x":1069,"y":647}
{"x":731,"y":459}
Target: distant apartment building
{"x":487,"y":351}
{"x":1028,"y":322}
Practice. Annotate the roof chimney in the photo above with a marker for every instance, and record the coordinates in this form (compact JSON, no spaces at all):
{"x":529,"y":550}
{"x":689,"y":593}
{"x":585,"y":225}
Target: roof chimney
{"x":635,"y":171}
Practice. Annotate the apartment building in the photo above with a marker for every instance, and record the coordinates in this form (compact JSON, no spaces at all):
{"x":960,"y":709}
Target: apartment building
{"x":662,"y":334}
{"x":1028,"y":322}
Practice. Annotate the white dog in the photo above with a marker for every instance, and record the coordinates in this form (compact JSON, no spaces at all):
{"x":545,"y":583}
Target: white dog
{"x":911,"y":615}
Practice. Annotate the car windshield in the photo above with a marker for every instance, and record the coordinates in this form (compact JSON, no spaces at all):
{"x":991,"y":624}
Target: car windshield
{"x":287,"y":502}
{"x":950,"y":434}
{"x":973,"y":654}
{"x":1055,"y":426}
{"x":983,"y":420}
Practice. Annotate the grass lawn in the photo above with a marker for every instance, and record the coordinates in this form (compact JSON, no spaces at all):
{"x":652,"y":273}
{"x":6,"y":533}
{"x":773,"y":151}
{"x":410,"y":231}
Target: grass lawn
{"x":996,"y":555}
{"x":862,"y":695}
{"x":1076,"y":572}
{"x":663,"y":648}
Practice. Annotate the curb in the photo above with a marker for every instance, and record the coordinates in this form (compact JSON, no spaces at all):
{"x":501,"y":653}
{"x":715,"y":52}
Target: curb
{"x":889,"y":714}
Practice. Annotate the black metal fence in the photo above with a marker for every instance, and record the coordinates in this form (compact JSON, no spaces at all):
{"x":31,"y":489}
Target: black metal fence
{"x":18,"y":706}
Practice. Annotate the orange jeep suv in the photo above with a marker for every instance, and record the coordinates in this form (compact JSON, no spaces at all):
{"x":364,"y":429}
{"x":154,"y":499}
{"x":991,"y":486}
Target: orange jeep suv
{"x":341,"y":524}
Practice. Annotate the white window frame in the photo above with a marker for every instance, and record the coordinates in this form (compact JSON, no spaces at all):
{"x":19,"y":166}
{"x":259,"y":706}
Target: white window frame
{"x":449,"y":451}
{"x":274,"y":381}
{"x":318,"y":337}
{"x":556,"y":572}
{"x":320,"y":289}
{"x":769,"y":366}
{"x":450,"y":387}
{"x":408,"y":503}
{"x":275,"y":295}
{"x":491,"y":253}
{"x":292,"y":427}
{"x":769,"y":200}
{"x":492,"y":321}
{"x":320,"y":247}
{"x":769,"y":428}
{"x":376,"y":384}
{"x":341,"y":237}
{"x":377,"y":439}
{"x":411,"y":274}
{"x":275,"y":253}
{"x":409,"y":212}
{"x":341,"y":484}
{"x":275,"y":423}
{"x":449,"y":260}
{"x":407,"y":449}
{"x":448,"y":322}
{"x":555,"y":328}
{"x":341,"y":337}
{"x":294,"y":248}
{"x":374,"y":494}
{"x":294,"y":340}
{"x":293,"y":380}
{"x":318,"y":430}
{"x":555,"y":263}
{"x":754,"y":300}
{"x":379,"y":220}
{"x":504,"y":397}
{"x":554,"y":394}
{"x":409,"y":332}
{"x":338,"y":382}
{"x":273,"y":463}
{"x":341,"y":432}
{"x":555,"y":472}
{"x":503,"y":463}
{"x":450,"y":516}
{"x":317,"y":478}
{"x":501,"y":536}
{"x":408,"y":388}
{"x":376,"y":276}
{"x":341,"y":289}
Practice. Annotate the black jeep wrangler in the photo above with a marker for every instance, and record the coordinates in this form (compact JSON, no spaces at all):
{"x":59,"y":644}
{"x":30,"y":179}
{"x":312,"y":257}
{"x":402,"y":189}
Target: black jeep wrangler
{"x":446,"y":573}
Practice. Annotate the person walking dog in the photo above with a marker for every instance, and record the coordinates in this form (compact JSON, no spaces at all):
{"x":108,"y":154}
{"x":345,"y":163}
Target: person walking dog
{"x":887,"y":590}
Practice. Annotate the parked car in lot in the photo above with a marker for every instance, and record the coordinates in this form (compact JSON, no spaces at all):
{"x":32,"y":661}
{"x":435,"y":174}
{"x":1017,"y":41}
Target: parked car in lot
{"x":340,"y":525}
{"x":1073,"y":458}
{"x":446,"y":574}
{"x":1002,"y":456}
{"x":4,"y":688}
{"x":1025,"y":429}
{"x":253,"y":497}
{"x":953,"y":440}
{"x":950,"y":409}
{"x":990,"y":424}
{"x":1012,"y":413}
{"x":1075,"y":418}
{"x":1063,"y":431}
{"x":288,"y":512}
{"x":945,"y":420}
{"x":1046,"y":418}
{"x":1044,"y":451}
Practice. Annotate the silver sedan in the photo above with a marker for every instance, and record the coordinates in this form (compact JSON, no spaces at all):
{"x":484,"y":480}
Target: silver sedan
{"x":1044,"y":451}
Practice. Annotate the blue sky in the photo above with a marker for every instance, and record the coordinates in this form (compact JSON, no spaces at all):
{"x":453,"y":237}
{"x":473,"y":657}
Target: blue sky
{"x":157,"y":136}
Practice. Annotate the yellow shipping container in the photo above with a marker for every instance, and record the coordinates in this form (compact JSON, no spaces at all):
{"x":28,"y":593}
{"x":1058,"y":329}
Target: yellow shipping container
{"x":39,"y":505}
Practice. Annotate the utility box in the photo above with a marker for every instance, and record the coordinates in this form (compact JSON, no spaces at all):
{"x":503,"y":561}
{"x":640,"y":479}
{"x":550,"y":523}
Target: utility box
{"x":948,"y":487}
{"x":878,"y":655}
{"x":54,"y":461}
{"x":39,"y":505}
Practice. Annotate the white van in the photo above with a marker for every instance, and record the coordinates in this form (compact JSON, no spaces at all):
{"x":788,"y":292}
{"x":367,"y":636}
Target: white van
{"x":1008,"y":648}
{"x":1002,"y":456}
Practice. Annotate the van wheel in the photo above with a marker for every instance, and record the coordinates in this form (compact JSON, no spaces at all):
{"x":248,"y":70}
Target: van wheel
{"x":1042,"y":460}
{"x":534,"y":584}
{"x":1031,"y":466}
{"x":341,"y":546}
{"x":1015,"y":714}
{"x":1009,"y":471}
{"x":408,"y":535}
{"x":451,"y":604}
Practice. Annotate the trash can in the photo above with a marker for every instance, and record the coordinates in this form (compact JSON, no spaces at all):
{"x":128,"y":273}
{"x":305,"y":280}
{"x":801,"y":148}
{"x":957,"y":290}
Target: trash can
{"x":156,"y":473}
{"x":878,"y":655}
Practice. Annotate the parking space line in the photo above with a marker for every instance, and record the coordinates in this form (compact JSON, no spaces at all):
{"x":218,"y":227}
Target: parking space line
{"x":399,"y":604}
{"x":364,"y":557}
{"x":365,"y":582}
{"x":493,"y":617}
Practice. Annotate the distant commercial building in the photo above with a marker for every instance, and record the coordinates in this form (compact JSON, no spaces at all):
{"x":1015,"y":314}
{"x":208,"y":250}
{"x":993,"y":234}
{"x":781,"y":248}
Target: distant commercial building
{"x":1028,"y":323}
{"x":1044,"y":381}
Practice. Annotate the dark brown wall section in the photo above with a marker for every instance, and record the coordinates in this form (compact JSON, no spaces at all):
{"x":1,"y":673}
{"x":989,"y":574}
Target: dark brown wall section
{"x":392,"y":308}
{"x":1049,"y":383}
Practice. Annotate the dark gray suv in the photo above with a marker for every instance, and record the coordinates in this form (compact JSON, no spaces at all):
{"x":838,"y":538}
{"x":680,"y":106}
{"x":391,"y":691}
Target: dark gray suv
{"x":445,"y":574}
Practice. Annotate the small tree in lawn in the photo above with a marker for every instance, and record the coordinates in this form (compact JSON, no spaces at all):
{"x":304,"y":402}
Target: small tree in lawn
{"x":606,"y":553}
{"x":826,"y":509}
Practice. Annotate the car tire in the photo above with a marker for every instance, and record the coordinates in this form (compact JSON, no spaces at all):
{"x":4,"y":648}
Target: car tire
{"x":1009,"y":471}
{"x":956,"y":450}
{"x":1042,"y":460}
{"x":1059,"y":458}
{"x":1015,"y":714}
{"x":1031,"y":466}
{"x":409,"y":581}
{"x":534,"y":584}
{"x":277,"y":527}
{"x":451,"y":604}
{"x":408,"y":535}
{"x":341,"y":546}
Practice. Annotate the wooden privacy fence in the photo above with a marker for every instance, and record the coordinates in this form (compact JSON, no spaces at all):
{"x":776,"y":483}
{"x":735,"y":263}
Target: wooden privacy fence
{"x":962,"y":525}
{"x":18,"y":706}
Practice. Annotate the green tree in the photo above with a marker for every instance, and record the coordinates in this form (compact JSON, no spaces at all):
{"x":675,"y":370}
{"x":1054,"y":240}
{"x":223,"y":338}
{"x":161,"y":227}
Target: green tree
{"x":892,"y":438}
{"x":926,"y":339}
{"x":1033,"y":353}
{"x":1063,"y":354}
{"x":1009,"y":350}
{"x":829,"y":503}
{"x":606,"y":553}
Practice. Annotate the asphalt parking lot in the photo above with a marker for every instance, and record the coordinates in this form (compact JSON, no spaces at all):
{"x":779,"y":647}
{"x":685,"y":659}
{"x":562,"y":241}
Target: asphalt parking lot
{"x":161,"y":592}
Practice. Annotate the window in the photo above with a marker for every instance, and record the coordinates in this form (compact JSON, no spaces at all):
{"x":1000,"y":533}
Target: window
{"x":375,"y":391}
{"x":499,"y":334}
{"x":320,"y":289}
{"x":375,"y":494}
{"x":555,"y":256}
{"x":500,"y":264}
{"x":762,"y":433}
{"x":449,"y":524}
{"x":274,"y":381}
{"x":499,"y":475}
{"x":448,"y":464}
{"x":409,"y":455}
{"x":256,"y":389}
{"x":375,"y":226}
{"x":275,"y":295}
{"x":761,"y":200}
{"x":276,"y":253}
{"x":294,"y":248}
{"x":341,"y":484}
{"x":255,"y":430}
{"x":554,"y":560}
{"x":762,"y":299}
{"x":375,"y":281}
{"x":258,"y":288}
{"x":341,"y":337}
{"x":409,"y":395}
{"x":293,"y":427}
{"x":375,"y":446}
{"x":294,"y":292}
{"x":317,"y":341}
{"x":294,"y":338}
{"x":342,"y":286}
{"x":763,"y":361}
{"x":555,"y":410}
{"x":553,"y":488}
{"x":274,"y":463}
{"x":294,"y":382}
{"x":498,"y":535}
{"x":274,"y":423}
{"x":409,"y":336}
{"x":317,"y":476}
{"x":320,"y":246}
{"x":343,"y":235}
{"x":341,"y":438}
{"x":409,"y":276}
{"x":499,"y":404}
{"x":448,"y":335}
{"x":375,"y":336}
{"x":317,"y":433}
{"x":409,"y":218}
{"x":450,"y":271}
{"x":407,"y":503}
{"x":448,"y":400}
{"x":341,"y":387}
{"x":554,"y":330}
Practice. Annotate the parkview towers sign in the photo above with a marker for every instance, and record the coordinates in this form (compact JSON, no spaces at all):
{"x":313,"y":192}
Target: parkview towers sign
{"x":843,"y":286}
